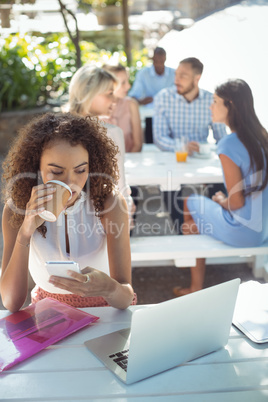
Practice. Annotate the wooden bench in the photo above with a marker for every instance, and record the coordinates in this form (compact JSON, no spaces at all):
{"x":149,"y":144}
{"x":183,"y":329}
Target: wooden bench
{"x":184,"y":250}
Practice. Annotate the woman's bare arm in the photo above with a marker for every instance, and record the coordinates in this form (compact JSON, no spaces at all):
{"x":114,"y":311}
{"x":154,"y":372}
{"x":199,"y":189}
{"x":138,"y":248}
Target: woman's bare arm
{"x":116,"y":225}
{"x":136,"y":126}
{"x":234,"y":185}
{"x":14,"y":277}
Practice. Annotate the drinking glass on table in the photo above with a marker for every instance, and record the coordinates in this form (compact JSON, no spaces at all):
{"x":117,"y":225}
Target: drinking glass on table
{"x":181,"y":149}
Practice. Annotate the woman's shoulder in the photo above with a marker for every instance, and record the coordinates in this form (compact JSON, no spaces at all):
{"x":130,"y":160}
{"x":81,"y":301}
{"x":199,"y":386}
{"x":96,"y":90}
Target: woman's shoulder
{"x":115,"y":210}
{"x":132,"y":102}
{"x":114,"y":198}
{"x":231,"y":146}
{"x":228,"y":139}
{"x":7,"y":210}
{"x":123,"y":105}
{"x":115,"y":206}
{"x":7,"y":214}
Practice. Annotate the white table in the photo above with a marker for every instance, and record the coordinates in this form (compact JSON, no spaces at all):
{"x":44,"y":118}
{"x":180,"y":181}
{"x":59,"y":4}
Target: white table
{"x":67,"y":371}
{"x":151,"y":167}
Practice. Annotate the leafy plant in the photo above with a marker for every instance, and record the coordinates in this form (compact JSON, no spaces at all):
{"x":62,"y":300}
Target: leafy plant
{"x":34,"y":70}
{"x":37,"y":70}
{"x":20,"y":86}
{"x":99,"y":3}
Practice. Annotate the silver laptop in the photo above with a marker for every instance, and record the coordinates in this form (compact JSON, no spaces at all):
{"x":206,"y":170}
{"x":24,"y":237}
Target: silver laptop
{"x":168,"y":334}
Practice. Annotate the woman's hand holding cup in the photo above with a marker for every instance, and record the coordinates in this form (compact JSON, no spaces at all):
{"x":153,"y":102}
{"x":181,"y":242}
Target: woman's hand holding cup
{"x":58,"y":202}
{"x":39,"y":196}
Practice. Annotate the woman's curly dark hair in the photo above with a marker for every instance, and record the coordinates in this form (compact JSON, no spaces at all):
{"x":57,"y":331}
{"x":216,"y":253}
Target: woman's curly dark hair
{"x":21,"y":166}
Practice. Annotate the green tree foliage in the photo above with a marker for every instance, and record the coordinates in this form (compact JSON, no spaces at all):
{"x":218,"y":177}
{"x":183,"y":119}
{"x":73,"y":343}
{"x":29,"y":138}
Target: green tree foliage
{"x":99,"y":3}
{"x":37,"y":70}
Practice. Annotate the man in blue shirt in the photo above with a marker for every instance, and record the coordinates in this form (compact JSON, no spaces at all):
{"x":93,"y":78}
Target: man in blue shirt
{"x":183,"y":109}
{"x":150,"y":80}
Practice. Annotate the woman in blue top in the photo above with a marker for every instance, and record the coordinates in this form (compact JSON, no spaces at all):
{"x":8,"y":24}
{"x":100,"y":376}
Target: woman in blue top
{"x":240,"y":218}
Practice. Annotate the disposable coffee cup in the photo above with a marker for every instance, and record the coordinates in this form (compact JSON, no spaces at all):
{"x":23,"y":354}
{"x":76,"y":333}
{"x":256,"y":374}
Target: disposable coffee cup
{"x":58,"y":202}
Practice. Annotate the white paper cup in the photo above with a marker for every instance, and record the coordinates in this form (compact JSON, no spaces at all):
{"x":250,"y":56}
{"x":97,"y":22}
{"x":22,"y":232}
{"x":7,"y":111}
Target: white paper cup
{"x":58,"y":202}
{"x":204,"y":148}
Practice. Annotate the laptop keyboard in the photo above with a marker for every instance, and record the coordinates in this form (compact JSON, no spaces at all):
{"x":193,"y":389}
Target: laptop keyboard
{"x":121,"y":358}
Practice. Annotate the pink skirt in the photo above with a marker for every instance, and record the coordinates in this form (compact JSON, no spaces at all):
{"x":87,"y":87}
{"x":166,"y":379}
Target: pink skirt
{"x":72,"y":299}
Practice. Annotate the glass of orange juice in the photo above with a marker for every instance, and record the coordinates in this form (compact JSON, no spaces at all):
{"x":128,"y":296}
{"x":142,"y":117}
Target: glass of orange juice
{"x":181,"y":149}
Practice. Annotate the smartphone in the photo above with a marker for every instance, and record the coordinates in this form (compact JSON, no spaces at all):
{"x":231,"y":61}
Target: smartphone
{"x":60,"y":268}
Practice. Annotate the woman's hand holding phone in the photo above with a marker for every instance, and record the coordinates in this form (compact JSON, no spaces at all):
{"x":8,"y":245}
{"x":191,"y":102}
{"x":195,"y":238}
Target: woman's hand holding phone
{"x":61,"y":268}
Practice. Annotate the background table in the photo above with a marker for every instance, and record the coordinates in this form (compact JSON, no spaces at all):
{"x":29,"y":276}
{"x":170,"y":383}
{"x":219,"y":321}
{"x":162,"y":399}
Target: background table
{"x":67,"y":371}
{"x":153,"y":167}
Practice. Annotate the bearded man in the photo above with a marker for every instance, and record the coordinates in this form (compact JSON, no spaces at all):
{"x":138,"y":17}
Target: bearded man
{"x":184,"y":110}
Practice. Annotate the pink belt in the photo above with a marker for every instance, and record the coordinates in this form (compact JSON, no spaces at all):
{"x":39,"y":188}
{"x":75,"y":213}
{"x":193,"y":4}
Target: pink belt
{"x":71,"y":299}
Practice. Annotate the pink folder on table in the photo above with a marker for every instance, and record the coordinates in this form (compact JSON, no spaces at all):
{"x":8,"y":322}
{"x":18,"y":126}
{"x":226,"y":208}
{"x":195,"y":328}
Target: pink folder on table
{"x":26,"y":332}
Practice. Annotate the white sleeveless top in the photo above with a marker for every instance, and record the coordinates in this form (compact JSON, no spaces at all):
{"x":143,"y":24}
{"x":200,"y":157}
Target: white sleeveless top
{"x":87,"y":239}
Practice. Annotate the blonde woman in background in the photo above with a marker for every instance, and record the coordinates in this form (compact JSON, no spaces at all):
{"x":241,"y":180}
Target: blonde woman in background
{"x":91,"y":92}
{"x":125,"y":113}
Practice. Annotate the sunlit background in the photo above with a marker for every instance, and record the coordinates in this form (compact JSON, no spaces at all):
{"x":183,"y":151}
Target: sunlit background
{"x":231,"y":43}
